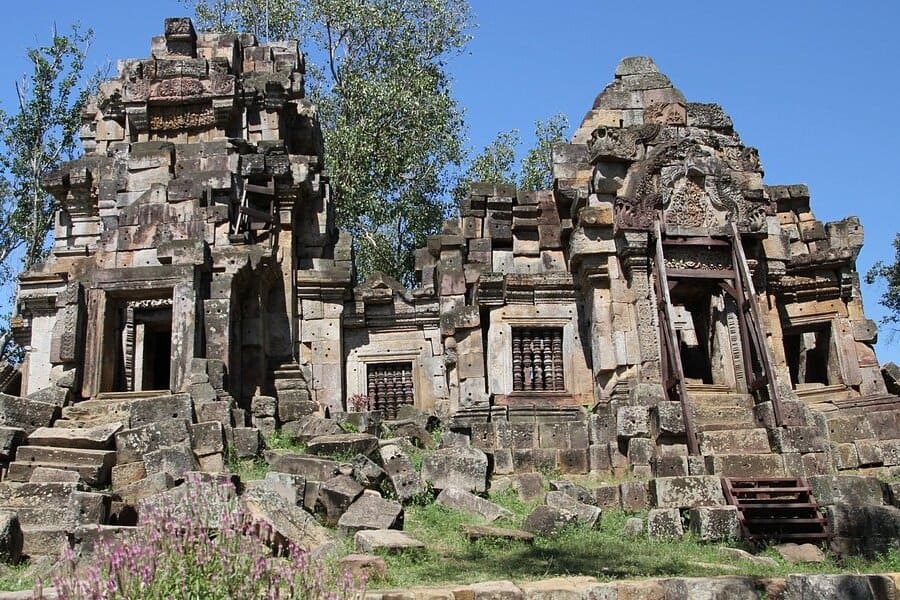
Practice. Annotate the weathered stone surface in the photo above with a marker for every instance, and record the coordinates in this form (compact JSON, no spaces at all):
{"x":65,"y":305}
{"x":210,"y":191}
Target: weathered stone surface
{"x":827,"y":587}
{"x":849,"y":489}
{"x":574,"y":490}
{"x":371,"y":511}
{"x":633,"y":421}
{"x":345,"y":445}
{"x":715,"y":524}
{"x":176,"y":460}
{"x":247,"y":441}
{"x":800,"y":553}
{"x":10,"y":537}
{"x":405,"y":479}
{"x":25,"y":414}
{"x":336,"y":495}
{"x":363,"y":567}
{"x":734,"y":441}
{"x":634,"y":527}
{"x":462,"y":467}
{"x":584,"y":514}
{"x":10,"y":439}
{"x":607,"y":496}
{"x":367,"y":472}
{"x":465,"y":501}
{"x":290,"y":487}
{"x":100,"y":437}
{"x":310,"y":467}
{"x":634,"y":495}
{"x":385,"y":540}
{"x":664,"y":523}
{"x":687,"y":492}
{"x":547,"y":521}
{"x":288,"y":522}
{"x":49,"y":474}
{"x":478,"y":532}
{"x":529,"y":486}
{"x":133,"y":444}
{"x":147,"y":411}
{"x":310,"y":427}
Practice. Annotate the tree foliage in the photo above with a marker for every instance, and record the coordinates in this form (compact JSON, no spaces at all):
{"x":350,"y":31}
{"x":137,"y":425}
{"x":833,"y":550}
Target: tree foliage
{"x":496,"y":163}
{"x":36,"y":136}
{"x":889,"y":274}
{"x":392,"y":128}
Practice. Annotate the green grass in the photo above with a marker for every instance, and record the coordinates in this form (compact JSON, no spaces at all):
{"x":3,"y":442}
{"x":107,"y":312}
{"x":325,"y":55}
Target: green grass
{"x":603,"y":553}
{"x":16,"y":578}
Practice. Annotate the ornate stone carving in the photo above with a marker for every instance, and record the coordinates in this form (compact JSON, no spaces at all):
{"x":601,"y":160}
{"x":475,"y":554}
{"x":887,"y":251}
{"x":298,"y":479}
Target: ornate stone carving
{"x":621,"y":144}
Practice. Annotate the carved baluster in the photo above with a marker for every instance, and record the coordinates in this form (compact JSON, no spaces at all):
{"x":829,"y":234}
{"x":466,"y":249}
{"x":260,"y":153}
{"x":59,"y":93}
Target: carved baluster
{"x":527,"y":361}
{"x":372,"y":388}
{"x":517,"y":360}
{"x":559,"y":382}
{"x":408,"y":389}
{"x":391,"y":377}
{"x":538,"y":345}
{"x":549,"y":373}
{"x":382,"y":392}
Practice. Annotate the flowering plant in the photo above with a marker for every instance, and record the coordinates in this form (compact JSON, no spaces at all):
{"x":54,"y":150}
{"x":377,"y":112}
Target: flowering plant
{"x":358,"y":403}
{"x":202,"y":546}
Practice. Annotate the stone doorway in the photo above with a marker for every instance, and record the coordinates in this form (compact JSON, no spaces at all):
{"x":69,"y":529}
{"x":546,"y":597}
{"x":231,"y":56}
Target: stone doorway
{"x":138,"y":348}
{"x":701,"y":312}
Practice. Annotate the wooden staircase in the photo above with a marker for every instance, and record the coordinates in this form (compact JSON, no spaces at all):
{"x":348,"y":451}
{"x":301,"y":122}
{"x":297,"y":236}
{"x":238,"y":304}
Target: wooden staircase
{"x":776,"y":509}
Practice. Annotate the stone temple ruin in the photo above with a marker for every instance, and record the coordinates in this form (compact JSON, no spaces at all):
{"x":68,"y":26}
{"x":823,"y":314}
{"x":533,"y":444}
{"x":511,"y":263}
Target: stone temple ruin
{"x":661,"y":316}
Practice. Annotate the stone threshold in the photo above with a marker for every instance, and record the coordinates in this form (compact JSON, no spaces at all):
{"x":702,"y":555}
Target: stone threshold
{"x":792,"y":587}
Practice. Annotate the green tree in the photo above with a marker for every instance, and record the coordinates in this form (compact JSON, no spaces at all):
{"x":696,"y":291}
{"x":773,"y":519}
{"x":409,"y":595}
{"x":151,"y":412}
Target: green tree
{"x":392,"y":128}
{"x":496,"y":163}
{"x":889,"y":274}
{"x":537,"y":164}
{"x":34,"y":139}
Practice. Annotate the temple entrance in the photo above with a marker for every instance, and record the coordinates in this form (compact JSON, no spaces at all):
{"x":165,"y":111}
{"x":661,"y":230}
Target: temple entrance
{"x":152,"y":349}
{"x":137,"y":348}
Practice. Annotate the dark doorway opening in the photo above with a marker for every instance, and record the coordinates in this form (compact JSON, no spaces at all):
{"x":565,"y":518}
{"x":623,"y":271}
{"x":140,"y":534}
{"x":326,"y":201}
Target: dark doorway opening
{"x":809,"y":356}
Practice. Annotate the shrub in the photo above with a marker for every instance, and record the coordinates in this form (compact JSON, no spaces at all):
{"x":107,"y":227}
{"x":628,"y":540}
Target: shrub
{"x":200,"y":544}
{"x":358,"y":403}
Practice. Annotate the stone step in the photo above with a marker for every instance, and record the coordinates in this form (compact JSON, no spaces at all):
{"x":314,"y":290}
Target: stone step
{"x":36,"y":494}
{"x":734,"y":441}
{"x":24,"y":472}
{"x":43,"y":541}
{"x":100,"y":437}
{"x":725,"y":415}
{"x":746,"y":465}
{"x":72,"y":456}
{"x":91,"y":413}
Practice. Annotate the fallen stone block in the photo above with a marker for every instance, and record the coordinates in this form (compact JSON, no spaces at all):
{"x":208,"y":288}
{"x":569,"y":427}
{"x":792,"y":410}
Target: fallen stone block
{"x":29,"y":415}
{"x":828,"y":587}
{"x":363,"y":567}
{"x":385,"y":540}
{"x":310,"y":427}
{"x":529,"y":486}
{"x":634,"y":528}
{"x":371,"y":511}
{"x":574,"y":490}
{"x":287,"y":522}
{"x":247,"y":442}
{"x":467,"y":502}
{"x":367,"y":472}
{"x":310,"y":467}
{"x":336,"y":495}
{"x":346,"y":444}
{"x":715,"y":524}
{"x":101,"y":437}
{"x":547,"y":521}
{"x":290,"y":487}
{"x":635,"y":495}
{"x":584,"y":514}
{"x":800,"y":553}
{"x":462,"y":467}
{"x":176,"y":460}
{"x":405,"y":479}
{"x":10,"y":439}
{"x":477,"y":532}
{"x":664,"y":523}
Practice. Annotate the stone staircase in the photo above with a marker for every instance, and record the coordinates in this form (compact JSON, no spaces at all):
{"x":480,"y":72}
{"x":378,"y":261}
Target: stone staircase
{"x":732,"y":442}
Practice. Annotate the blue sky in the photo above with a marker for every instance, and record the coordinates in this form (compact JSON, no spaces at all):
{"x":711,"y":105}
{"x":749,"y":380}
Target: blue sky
{"x":811,"y":83}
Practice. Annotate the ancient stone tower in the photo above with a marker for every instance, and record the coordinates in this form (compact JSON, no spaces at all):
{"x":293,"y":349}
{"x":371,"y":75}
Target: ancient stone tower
{"x":661,"y":311}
